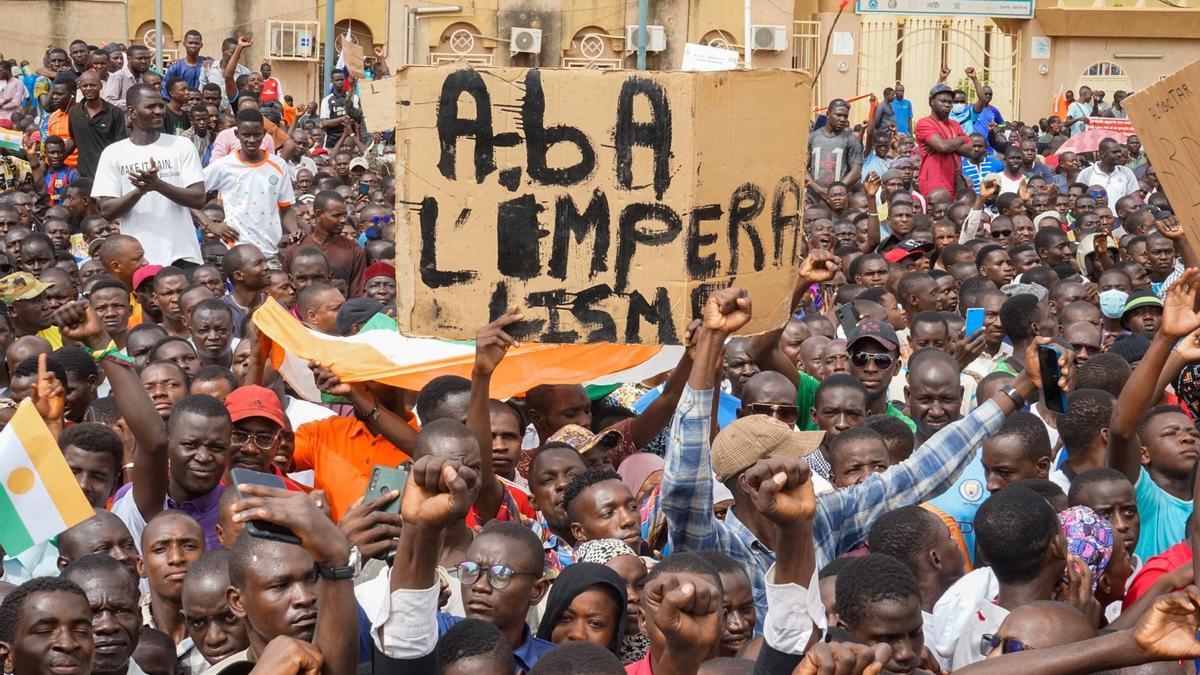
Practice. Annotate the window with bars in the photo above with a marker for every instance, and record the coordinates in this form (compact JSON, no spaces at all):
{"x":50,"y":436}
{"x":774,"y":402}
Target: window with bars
{"x":294,"y":40}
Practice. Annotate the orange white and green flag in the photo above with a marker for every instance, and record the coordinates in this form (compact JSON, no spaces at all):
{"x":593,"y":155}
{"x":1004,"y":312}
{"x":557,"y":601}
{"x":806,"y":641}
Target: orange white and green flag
{"x":39,"y":497}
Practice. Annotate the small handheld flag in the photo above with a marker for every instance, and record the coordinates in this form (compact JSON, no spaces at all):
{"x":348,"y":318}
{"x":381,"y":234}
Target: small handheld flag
{"x":39,"y":497}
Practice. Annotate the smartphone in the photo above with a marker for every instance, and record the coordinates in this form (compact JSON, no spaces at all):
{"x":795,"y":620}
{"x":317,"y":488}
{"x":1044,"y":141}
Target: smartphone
{"x":364,"y":188}
{"x":847,"y":316}
{"x":974,"y":321}
{"x":384,"y":479}
{"x":261,"y":528}
{"x":1053,"y":396}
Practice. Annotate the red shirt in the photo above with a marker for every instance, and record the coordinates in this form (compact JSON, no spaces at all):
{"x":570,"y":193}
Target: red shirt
{"x":938,"y":169}
{"x":641,"y":667}
{"x":511,"y":509}
{"x":1168,"y":561}
{"x":270,"y":90}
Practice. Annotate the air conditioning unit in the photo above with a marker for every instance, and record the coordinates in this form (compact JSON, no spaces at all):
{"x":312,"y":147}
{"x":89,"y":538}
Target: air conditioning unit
{"x":656,"y":38}
{"x":770,"y":38}
{"x":305,"y":44}
{"x":526,"y":41}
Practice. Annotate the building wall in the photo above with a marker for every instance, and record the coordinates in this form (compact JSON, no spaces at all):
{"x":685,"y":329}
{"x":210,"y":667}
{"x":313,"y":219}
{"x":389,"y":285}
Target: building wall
{"x":30,"y":25}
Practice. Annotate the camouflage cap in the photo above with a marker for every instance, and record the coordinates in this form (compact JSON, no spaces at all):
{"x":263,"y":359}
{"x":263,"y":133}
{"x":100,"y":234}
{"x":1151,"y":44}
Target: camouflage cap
{"x":20,"y":286}
{"x":584,"y":441}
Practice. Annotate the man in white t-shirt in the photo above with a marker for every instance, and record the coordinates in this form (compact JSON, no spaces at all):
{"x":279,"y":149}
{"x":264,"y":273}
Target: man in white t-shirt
{"x":255,"y":189}
{"x":1109,"y":172}
{"x":149,"y":181}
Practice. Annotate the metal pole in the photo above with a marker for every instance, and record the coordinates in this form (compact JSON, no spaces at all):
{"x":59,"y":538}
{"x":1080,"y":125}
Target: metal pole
{"x":749,"y":39}
{"x":642,"y":37}
{"x":158,"y":28}
{"x":329,"y":38}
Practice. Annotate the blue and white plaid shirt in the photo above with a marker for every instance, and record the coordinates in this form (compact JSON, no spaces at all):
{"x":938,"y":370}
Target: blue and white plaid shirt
{"x":843,"y":516}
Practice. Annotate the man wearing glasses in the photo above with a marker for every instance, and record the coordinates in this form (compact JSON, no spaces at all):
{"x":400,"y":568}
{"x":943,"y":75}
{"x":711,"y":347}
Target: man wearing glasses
{"x":874,"y":360}
{"x":257,"y":427}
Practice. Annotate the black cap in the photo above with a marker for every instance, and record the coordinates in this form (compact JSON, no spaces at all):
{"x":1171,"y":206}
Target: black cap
{"x":356,"y":311}
{"x":879,"y":331}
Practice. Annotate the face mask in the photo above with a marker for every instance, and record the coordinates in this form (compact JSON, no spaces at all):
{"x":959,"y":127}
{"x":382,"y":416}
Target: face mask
{"x":1112,"y":303}
{"x":959,"y":108}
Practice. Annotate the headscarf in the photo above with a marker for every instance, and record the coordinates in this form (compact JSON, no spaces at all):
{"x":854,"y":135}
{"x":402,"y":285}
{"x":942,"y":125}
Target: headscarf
{"x":1090,"y":537}
{"x":574,"y":580}
{"x":602,"y":550}
{"x":637,"y":468}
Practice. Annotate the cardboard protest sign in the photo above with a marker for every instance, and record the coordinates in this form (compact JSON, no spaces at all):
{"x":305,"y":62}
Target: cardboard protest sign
{"x":378,"y":99}
{"x":353,"y":55}
{"x":1167,"y":117}
{"x":606,"y":204}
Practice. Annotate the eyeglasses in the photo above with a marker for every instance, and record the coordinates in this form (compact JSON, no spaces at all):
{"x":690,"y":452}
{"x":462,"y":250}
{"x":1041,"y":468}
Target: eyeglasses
{"x":989,"y":642}
{"x":1000,"y":234}
{"x":788,"y":414}
{"x":263,"y":440}
{"x":882,"y":361}
{"x":499,"y":576}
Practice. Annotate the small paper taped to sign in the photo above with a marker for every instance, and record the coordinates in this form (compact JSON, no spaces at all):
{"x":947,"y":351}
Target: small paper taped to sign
{"x":1167,"y":117}
{"x":606,"y":204}
{"x":702,"y":58}
{"x":378,"y":98}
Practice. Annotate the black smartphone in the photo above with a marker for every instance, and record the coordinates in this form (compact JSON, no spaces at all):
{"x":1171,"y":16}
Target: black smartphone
{"x":384,"y":479}
{"x":847,"y":316}
{"x":1052,"y":395}
{"x":261,"y":528}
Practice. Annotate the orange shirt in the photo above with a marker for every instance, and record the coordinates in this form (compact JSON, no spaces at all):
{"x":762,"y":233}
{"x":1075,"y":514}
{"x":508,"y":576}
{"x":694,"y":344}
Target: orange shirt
{"x":58,"y":126}
{"x":289,"y":114}
{"x":135,"y":315}
{"x":342,"y":451}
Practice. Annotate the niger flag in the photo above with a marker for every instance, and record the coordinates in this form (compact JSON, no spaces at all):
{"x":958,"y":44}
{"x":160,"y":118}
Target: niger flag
{"x":410,"y":362}
{"x":1060,"y":105}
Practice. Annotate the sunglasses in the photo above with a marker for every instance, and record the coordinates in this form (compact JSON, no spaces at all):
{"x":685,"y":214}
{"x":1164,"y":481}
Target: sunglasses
{"x":1000,"y":234}
{"x":788,"y":414}
{"x":882,"y":361}
{"x":499,"y":576}
{"x":375,"y":220}
{"x":989,"y":642}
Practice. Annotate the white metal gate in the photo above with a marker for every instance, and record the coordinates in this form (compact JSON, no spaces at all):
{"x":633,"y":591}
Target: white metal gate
{"x":913,"y":49}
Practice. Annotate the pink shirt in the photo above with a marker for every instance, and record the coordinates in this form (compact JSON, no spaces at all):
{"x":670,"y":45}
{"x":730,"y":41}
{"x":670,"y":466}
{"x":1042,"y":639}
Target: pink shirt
{"x":227,"y":144}
{"x":640,"y":667}
{"x":938,"y":169}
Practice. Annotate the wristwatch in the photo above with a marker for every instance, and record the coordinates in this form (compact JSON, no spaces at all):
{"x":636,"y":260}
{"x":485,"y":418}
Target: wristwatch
{"x":1011,"y":392}
{"x":348,"y":571}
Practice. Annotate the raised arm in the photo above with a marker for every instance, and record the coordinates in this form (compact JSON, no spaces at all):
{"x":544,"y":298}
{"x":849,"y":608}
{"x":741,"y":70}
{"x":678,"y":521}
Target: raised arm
{"x":1166,"y":633}
{"x":379,"y":420}
{"x":980,"y":101}
{"x":79,"y":322}
{"x":686,"y":494}
{"x":336,"y":633}
{"x":845,"y":516}
{"x":651,"y":422}
{"x":1170,"y":228}
{"x":491,"y":344}
{"x":987,"y":190}
{"x":871,"y":186}
{"x":1141,"y":391}
{"x":231,"y":66}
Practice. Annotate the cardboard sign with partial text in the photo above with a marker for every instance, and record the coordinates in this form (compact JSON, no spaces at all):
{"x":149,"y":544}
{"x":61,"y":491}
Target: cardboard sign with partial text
{"x":606,"y":204}
{"x":1167,"y":117}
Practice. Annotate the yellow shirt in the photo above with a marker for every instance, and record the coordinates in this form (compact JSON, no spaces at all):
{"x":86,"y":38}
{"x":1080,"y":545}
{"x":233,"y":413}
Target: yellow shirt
{"x":53,"y":336}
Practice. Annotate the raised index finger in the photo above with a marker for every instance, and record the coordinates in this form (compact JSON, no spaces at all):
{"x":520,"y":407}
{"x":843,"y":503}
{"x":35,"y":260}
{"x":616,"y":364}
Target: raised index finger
{"x":41,"y":371}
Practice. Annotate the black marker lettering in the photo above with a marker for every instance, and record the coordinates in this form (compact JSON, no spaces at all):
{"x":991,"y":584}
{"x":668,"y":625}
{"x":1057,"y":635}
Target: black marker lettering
{"x":655,"y":134}
{"x":451,"y":127}
{"x":567,"y":221}
{"x":744,"y":206}
{"x":702,"y":267}
{"x":657,"y":313}
{"x":787,"y":187}
{"x":629,"y":235}
{"x":539,"y":139}
{"x":431,"y":276}
{"x":518,"y":235}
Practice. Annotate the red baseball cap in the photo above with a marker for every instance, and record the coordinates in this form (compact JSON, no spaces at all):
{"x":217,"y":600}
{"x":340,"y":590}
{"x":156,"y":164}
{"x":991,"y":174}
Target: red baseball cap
{"x":145,"y":273}
{"x":254,"y":401}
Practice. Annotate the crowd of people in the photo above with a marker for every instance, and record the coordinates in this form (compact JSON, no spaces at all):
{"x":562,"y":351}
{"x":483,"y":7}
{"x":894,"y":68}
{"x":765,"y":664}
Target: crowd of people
{"x":971,"y":447}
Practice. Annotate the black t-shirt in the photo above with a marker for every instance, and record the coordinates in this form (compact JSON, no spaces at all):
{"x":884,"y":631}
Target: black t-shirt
{"x":175,"y":124}
{"x":93,"y":134}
